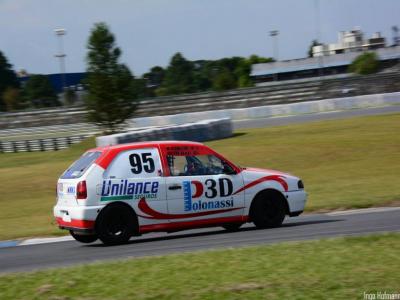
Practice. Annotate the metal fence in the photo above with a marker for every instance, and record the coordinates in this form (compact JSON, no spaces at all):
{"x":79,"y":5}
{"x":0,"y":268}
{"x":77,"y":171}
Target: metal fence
{"x":48,"y":144}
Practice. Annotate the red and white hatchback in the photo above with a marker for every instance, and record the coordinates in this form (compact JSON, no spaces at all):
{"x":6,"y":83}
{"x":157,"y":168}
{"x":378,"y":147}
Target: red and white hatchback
{"x":116,"y":192}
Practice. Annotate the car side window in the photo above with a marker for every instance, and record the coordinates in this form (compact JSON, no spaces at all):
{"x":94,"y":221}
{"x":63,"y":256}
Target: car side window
{"x":141,"y":163}
{"x":180,"y":165}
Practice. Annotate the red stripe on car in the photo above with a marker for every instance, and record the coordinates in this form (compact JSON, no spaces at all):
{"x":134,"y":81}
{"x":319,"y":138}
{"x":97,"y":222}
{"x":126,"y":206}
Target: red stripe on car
{"x":277,"y":178}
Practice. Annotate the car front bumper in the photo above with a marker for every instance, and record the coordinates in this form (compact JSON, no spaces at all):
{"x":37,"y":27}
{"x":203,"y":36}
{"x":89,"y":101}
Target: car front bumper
{"x":296,"y":201}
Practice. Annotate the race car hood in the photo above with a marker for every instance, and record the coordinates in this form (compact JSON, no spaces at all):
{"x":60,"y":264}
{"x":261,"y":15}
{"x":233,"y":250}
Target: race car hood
{"x":270,"y":179}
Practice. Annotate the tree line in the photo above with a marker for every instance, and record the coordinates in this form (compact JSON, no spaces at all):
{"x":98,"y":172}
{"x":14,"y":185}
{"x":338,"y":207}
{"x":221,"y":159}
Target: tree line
{"x":112,"y":90}
{"x":180,"y":76}
{"x":36,"y":92}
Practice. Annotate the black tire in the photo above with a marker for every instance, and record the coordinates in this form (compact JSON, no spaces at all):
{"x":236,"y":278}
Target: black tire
{"x":232,"y":226}
{"x":115,"y":225}
{"x":84,"y":238}
{"x":268,"y":210}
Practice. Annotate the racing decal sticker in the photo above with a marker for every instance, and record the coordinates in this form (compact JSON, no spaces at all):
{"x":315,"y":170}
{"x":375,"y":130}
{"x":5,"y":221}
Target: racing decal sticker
{"x":277,"y":178}
{"x":184,"y":150}
{"x":222,"y":188}
{"x":125,"y":190}
{"x":153,"y":214}
{"x":187,"y":193}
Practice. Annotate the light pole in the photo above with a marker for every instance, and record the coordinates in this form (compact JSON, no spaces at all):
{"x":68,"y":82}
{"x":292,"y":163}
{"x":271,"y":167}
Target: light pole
{"x":274,"y":35}
{"x":318,"y":35}
{"x":61,"y":55}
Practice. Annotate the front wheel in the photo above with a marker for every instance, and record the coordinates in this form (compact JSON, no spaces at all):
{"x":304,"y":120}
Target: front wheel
{"x":83,"y":238}
{"x":268,"y":212}
{"x":115,"y":225}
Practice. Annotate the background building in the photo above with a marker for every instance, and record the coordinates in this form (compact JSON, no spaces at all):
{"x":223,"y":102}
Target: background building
{"x":350,"y":41}
{"x":330,"y":60}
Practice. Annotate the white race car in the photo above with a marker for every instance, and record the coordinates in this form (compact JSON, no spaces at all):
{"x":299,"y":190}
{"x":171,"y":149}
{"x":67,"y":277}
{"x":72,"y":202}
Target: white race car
{"x":116,"y":192}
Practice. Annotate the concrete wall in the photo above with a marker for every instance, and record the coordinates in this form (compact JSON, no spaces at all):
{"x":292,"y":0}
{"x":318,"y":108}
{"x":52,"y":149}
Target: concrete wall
{"x":273,"y":110}
{"x":202,"y":131}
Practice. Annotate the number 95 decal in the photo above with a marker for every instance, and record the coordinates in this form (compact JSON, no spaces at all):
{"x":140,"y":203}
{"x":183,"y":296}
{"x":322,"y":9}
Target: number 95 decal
{"x":142,"y":162}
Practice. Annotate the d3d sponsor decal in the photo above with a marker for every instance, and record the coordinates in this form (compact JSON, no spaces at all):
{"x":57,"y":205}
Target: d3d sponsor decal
{"x":222,"y":188}
{"x":125,"y":190}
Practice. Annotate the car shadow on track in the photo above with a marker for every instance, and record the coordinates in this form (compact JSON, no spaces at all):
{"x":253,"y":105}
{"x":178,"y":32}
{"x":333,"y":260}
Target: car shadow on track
{"x":214,"y":232}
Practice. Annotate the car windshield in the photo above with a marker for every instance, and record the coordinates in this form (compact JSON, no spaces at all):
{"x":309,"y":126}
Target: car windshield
{"x":79,"y":167}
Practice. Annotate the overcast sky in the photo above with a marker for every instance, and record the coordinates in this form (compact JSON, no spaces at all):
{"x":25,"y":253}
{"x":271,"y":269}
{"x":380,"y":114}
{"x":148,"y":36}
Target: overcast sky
{"x":149,"y":32}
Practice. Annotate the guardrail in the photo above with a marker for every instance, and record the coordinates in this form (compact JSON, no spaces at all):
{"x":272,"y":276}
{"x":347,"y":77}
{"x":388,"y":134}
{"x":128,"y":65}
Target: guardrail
{"x":49,"y":144}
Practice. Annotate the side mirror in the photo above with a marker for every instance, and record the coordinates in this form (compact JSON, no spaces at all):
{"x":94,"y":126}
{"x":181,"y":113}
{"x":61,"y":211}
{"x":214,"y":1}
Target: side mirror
{"x":227,"y":169}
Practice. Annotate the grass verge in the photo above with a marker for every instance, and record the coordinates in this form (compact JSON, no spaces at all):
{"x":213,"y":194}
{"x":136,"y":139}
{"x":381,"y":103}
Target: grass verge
{"x":341,"y":268}
{"x":350,"y":163}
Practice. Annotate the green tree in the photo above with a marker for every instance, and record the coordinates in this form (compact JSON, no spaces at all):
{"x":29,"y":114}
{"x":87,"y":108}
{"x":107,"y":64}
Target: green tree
{"x":243,"y":69}
{"x":204,"y":72}
{"x":178,"y":77}
{"x":183,"y":76}
{"x":39,"y":92}
{"x":70,"y":96}
{"x":8,"y":79}
{"x":152,"y":80}
{"x":155,"y":77}
{"x":141,"y":89}
{"x":111,"y":97}
{"x":366,"y":63}
{"x":11,"y":98}
{"x":224,"y":81}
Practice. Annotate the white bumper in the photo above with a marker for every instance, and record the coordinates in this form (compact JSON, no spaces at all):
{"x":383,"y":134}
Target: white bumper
{"x":296,"y":200}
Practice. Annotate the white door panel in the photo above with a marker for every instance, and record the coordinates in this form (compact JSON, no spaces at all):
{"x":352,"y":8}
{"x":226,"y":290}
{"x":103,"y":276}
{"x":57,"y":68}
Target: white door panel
{"x":204,"y":197}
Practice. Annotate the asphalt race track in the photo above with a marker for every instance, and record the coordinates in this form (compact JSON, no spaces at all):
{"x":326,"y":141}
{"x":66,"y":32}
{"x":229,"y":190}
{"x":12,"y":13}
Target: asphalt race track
{"x":347,"y":223}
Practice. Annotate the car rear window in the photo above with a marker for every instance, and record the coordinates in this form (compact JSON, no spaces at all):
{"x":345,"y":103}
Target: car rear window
{"x":79,"y":167}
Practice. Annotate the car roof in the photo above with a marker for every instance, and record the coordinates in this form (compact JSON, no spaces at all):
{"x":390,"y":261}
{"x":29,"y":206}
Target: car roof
{"x":137,"y":145}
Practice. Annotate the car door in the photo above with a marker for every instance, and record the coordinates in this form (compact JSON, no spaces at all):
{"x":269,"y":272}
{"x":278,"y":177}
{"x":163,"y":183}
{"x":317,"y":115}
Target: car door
{"x":198,"y":188}
{"x":134,"y":177}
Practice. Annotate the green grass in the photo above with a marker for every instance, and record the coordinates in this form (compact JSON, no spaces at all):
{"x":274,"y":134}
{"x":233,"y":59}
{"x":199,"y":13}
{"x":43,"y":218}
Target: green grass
{"x":28,"y":187}
{"x":348,"y":163}
{"x":341,"y":268}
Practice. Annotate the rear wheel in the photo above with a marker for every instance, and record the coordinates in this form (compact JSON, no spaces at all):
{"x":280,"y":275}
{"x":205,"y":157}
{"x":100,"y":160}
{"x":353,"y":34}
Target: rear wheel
{"x":268,"y":210}
{"x":232,"y":226}
{"x":83,"y":238}
{"x":115,"y":225}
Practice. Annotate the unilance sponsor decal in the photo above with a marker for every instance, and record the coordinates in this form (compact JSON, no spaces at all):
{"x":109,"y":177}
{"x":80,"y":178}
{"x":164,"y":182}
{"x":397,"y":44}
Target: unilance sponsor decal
{"x":189,"y":194}
{"x":125,"y":190}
